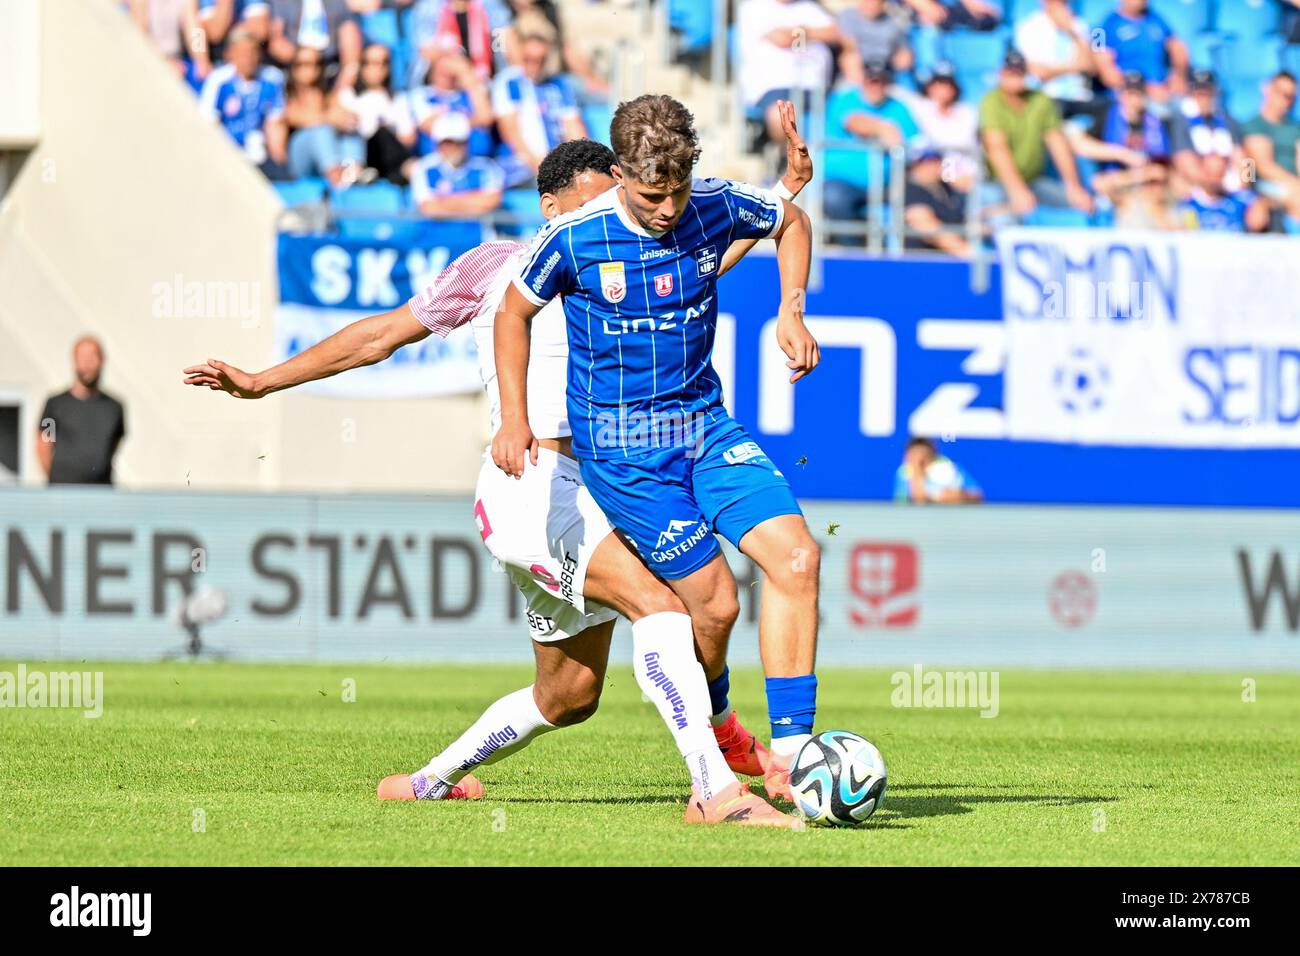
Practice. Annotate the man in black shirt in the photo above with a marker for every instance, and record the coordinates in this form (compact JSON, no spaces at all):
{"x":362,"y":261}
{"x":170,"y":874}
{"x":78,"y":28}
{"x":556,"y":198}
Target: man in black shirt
{"x":930,"y":204}
{"x":80,"y":429}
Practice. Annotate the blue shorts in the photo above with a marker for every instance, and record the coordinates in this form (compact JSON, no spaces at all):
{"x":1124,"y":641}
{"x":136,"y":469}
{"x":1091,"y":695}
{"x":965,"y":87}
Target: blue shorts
{"x":668,"y":501}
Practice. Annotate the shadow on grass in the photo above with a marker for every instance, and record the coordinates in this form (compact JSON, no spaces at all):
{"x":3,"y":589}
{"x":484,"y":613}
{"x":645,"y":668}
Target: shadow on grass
{"x":897,"y":799}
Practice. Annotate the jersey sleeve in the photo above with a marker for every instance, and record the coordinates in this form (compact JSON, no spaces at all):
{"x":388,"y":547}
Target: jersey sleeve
{"x":550,"y":269}
{"x":456,"y":295}
{"x":757,"y":213}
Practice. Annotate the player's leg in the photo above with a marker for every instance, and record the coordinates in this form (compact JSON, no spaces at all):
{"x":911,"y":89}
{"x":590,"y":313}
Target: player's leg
{"x":752,"y":505}
{"x":569,"y":676}
{"x":663,"y":523}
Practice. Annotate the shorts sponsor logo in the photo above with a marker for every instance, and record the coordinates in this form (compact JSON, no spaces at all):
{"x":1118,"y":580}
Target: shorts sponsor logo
{"x":664,"y":284}
{"x":613,"y":282}
{"x":743,"y":452}
{"x":567,"y":573}
{"x":883,"y":578}
{"x":547,"y":268}
{"x":539,"y":624}
{"x":544,"y":577}
{"x":657,"y":677}
{"x":677,"y":539}
{"x":706,"y":261}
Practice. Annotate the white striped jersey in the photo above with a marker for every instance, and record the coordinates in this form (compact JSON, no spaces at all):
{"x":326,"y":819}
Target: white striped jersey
{"x":641,"y":309}
{"x":470,"y":290}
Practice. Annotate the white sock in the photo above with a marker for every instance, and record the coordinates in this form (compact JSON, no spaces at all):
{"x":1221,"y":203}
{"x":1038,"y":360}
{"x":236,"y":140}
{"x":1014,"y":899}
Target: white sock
{"x":508,"y":726}
{"x":663,"y":658}
{"x":789,"y":746}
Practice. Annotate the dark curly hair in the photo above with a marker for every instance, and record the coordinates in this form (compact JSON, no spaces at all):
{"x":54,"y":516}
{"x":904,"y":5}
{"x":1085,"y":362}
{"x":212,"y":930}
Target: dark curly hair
{"x":563,"y":164}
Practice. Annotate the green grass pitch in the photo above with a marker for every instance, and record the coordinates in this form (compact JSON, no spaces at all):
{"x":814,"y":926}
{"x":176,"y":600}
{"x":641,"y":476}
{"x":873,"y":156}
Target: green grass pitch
{"x":219,"y":764}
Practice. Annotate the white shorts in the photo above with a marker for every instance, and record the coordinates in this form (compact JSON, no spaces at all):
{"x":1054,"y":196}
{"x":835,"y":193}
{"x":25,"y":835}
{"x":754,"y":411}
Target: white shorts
{"x":544,"y":528}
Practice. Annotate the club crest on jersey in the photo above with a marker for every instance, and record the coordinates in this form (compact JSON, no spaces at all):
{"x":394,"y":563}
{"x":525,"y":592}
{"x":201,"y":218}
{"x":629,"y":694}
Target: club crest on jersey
{"x":706,"y":261}
{"x":664,"y":284}
{"x":613,"y":284}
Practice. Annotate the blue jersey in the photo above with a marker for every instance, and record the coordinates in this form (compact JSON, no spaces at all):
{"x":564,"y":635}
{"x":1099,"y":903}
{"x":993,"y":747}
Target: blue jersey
{"x":642,"y":310}
{"x":243,"y":106}
{"x":434,"y":176}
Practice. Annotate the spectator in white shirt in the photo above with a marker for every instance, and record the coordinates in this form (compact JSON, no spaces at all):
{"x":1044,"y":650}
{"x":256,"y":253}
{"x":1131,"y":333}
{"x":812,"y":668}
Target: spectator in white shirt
{"x":949,"y":125}
{"x":384,"y":121}
{"x":1057,"y":45}
{"x":784,"y":46}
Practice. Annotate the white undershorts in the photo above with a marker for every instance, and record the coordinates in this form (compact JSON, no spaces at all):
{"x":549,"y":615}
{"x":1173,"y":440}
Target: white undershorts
{"x":544,"y":528}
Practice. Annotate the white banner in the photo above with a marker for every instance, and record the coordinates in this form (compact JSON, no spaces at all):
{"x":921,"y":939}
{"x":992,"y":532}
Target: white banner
{"x":434,"y":366}
{"x":1156,"y":339}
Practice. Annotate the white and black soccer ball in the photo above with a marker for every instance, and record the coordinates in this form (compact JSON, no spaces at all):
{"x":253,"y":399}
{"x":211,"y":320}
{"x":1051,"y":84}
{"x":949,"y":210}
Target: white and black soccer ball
{"x":838,"y":779}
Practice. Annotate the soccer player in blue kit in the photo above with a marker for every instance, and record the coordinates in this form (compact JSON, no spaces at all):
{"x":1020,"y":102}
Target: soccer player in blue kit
{"x":637,"y":268}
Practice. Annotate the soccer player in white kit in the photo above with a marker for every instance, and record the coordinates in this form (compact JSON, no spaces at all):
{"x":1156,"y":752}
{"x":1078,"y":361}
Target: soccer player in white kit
{"x":551,"y":537}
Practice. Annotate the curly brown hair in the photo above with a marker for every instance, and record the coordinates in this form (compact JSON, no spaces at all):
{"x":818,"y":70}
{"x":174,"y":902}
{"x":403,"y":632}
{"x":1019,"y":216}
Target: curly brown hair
{"x":655,"y":141}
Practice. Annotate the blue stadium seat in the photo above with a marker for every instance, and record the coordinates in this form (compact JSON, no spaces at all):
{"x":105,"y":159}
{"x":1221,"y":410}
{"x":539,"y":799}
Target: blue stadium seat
{"x":1054,"y":218}
{"x":1242,"y":100}
{"x":598,"y":116}
{"x":927,"y":45}
{"x":373,"y":198}
{"x":1204,"y":50}
{"x":380,"y":229}
{"x":1247,"y":19}
{"x":301,"y":192}
{"x":1095,"y":11}
{"x":1185,"y":17}
{"x":976,"y":52}
{"x":694,"y":21}
{"x":1247,"y":61}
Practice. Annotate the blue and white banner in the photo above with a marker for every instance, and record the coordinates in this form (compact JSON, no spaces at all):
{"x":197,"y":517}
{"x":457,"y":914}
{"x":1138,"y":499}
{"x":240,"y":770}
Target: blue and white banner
{"x":1151,"y":339}
{"x":328,"y":282}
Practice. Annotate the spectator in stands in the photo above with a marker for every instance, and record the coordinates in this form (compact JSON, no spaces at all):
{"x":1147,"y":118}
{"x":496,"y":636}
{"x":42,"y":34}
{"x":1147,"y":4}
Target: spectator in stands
{"x":927,"y":478}
{"x":536,"y":110}
{"x":1058,"y":48}
{"x":219,"y":17}
{"x":1127,"y":141}
{"x":784,"y":46}
{"x":949,"y":125}
{"x":80,"y":429}
{"x":1020,"y":128}
{"x":173,"y":26}
{"x":452,"y":184}
{"x":957,"y":14}
{"x":930,"y":204}
{"x":870,"y":32}
{"x":322,"y":139}
{"x":1136,"y":38}
{"x":383,"y":120}
{"x":869,"y":114}
{"x":470,"y":25}
{"x":542,"y":16}
{"x":326,"y":26}
{"x":452,"y":85}
{"x":248,"y":100}
{"x":1212,"y":208}
{"x":1201,"y":131}
{"x":1272,"y":143}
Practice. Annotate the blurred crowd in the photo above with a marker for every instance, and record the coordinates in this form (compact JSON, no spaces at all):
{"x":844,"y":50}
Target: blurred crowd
{"x":1165,"y":114}
{"x":1162,"y":114}
{"x":451,"y":101}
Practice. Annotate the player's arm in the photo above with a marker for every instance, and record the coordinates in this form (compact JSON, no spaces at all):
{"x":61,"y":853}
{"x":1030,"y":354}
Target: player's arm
{"x":511,"y":340}
{"x":364,"y":342}
{"x":793,"y":257}
{"x":798,"y":174}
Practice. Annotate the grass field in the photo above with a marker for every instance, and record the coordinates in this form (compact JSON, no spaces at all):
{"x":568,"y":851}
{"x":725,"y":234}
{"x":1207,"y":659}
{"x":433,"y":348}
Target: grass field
{"x":1077,"y":768}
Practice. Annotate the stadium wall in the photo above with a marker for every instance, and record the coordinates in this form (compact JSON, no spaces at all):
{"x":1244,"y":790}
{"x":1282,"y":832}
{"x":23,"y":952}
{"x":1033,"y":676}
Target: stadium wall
{"x":97,"y":574}
{"x":135,"y":219}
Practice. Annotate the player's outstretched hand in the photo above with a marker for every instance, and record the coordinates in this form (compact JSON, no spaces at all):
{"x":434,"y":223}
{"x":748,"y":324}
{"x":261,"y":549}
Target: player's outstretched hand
{"x":798,"y":161}
{"x":798,"y":344}
{"x":223,"y":378}
{"x":511,"y":444}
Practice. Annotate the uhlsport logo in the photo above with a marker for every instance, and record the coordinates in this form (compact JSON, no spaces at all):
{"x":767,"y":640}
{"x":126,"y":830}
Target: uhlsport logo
{"x":883,"y":577}
{"x":677,"y":539}
{"x":613,"y":283}
{"x":1081,"y":381}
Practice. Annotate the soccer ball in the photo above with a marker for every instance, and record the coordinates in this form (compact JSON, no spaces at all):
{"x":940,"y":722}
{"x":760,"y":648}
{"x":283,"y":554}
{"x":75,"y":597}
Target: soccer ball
{"x":838,"y":779}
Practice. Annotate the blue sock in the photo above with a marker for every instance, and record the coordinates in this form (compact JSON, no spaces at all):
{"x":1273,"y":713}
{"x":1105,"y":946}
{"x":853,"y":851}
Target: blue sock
{"x":791,"y":705}
{"x":718,"y":690}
